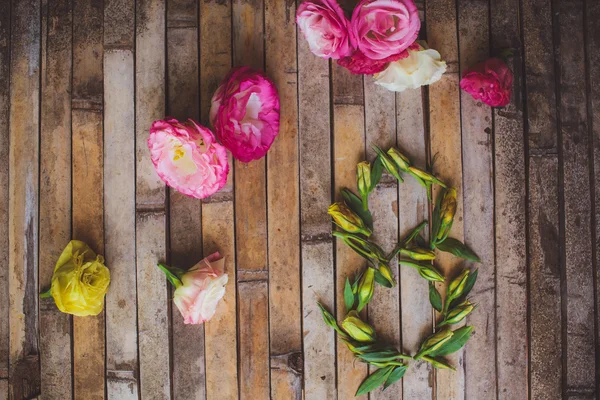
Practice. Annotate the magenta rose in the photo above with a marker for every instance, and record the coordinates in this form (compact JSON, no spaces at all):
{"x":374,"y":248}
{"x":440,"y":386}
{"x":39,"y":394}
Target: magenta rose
{"x":325,"y":27}
{"x":384,"y":28}
{"x":245,"y":113}
{"x":187,"y":157}
{"x":358,"y":63}
{"x":491,"y":82}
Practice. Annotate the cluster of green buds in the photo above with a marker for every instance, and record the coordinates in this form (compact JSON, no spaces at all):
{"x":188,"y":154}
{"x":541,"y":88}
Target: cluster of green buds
{"x":457,"y":307}
{"x":347,"y":219}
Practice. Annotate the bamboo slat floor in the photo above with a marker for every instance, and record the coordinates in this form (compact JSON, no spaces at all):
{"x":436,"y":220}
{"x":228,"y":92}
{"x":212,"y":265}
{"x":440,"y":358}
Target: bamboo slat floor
{"x":80,"y":84}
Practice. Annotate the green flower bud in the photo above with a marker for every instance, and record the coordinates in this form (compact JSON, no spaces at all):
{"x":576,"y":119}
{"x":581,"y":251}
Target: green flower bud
{"x":386,"y":272}
{"x":363,"y":179}
{"x":434,"y":342}
{"x":388,"y":163}
{"x":438,"y":363}
{"x":347,"y":219}
{"x":366,"y":288}
{"x":447,"y":212}
{"x":400,"y":159}
{"x":359,"y":245}
{"x":418,"y":254}
{"x":459,"y":313}
{"x":425,"y":176}
{"x":357,"y":329}
{"x":457,"y":286}
{"x":430,"y":273}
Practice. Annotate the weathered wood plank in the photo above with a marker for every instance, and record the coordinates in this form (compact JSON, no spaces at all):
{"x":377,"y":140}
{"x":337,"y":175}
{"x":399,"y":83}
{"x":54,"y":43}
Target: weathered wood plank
{"x":478,"y":173}
{"x":4,"y":193}
{"x":55,"y":192}
{"x":544,"y":279}
{"x":24,"y":372}
{"x":349,"y":150}
{"x":153,"y":307}
{"x":413,"y":207}
{"x":218,"y":229}
{"x":511,"y":223}
{"x":384,"y":308}
{"x":444,"y":108}
{"x":317,"y":245}
{"x":574,"y":138}
{"x":283,"y":204}
{"x":87,"y":155}
{"x":119,"y":194}
{"x":251,"y":222}
{"x":184,"y":212}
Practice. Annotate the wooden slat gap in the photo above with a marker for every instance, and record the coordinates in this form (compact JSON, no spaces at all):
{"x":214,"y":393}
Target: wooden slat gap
{"x":224,"y":196}
{"x":308,"y":239}
{"x":86,"y":105}
{"x":252,"y":275}
{"x":116,"y":47}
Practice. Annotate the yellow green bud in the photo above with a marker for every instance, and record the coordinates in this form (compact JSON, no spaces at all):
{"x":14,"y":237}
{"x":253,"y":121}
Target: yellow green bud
{"x":447,"y":212}
{"x":400,"y":159}
{"x":366,"y":288}
{"x":386,"y":272}
{"x":418,"y":254}
{"x":434,"y":342}
{"x":438,"y":363}
{"x":425,"y":176}
{"x":357,"y":329}
{"x":459,"y":313}
{"x":347,"y":219}
{"x":388,"y":163}
{"x":430,"y":273}
{"x":363,"y":178}
{"x":457,"y":286}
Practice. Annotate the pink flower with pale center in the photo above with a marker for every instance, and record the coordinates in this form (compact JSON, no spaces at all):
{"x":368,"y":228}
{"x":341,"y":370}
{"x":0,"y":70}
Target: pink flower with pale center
{"x":245,"y":113}
{"x":358,"y":63}
{"x":384,"y":28}
{"x":325,"y":28}
{"x":187,"y":157}
{"x":203,"y":286}
{"x":491,"y":82}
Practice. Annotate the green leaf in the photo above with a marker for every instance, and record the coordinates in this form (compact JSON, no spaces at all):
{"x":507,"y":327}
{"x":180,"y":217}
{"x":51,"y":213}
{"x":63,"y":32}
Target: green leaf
{"x":456,"y":342}
{"x":171,"y":277}
{"x":379,"y":278}
{"x":348,"y":295}
{"x":356,"y":204}
{"x":374,"y":380}
{"x":376,"y":172}
{"x":435,"y":225}
{"x":395,"y":376}
{"x":458,"y":248}
{"x":435,"y":298}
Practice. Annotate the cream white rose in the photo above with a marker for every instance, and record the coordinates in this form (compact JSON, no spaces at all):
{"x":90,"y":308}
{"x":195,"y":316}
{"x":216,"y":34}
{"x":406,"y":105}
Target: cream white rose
{"x":421,"y":67}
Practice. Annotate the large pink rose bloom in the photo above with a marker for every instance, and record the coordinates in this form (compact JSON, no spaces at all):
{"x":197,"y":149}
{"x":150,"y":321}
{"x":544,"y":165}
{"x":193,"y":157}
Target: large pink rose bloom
{"x":384,"y":28}
{"x":187,"y":157}
{"x":245,"y":113}
{"x":325,"y":28}
{"x":358,"y":63}
{"x":203,"y":286}
{"x":491,"y":82}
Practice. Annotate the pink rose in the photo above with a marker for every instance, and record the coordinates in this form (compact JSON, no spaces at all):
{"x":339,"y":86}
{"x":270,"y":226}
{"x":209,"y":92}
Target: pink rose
{"x":187,"y":157}
{"x":201,"y":289}
{"x":384,"y":28}
{"x":245,"y":113}
{"x":325,"y":27}
{"x":358,"y":63}
{"x":491,"y":82}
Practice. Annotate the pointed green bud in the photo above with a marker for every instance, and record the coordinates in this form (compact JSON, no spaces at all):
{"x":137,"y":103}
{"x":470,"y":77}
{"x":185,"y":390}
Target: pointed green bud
{"x":366,"y":288}
{"x":388,"y":163}
{"x":430,"y":273}
{"x":439,"y":364}
{"x":434,"y":342}
{"x":400,"y":159}
{"x":363,"y":180}
{"x":458,"y":313}
{"x":447,"y":213}
{"x":347,"y":219}
{"x":457,"y":286}
{"x":358,"y":244}
{"x":357,"y":329}
{"x":386,"y":272}
{"x":425,"y":176}
{"x":418,"y":254}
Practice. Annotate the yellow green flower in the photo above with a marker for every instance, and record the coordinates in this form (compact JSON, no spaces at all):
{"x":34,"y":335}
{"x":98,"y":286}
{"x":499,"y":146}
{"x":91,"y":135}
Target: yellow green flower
{"x":347,"y":219}
{"x":357,"y":329}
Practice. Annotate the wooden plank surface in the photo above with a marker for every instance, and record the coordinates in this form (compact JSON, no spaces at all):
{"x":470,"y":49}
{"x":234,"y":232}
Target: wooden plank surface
{"x":24,"y":372}
{"x":151,"y":226}
{"x":55,"y":192}
{"x":283,"y":200}
{"x":218,"y":223}
{"x":119,"y":200}
{"x":317,"y":245}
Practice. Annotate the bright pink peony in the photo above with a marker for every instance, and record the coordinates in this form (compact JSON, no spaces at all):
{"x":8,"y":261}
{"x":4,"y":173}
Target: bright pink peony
{"x":245,"y":113}
{"x":358,"y":63}
{"x":203,"y":286}
{"x":325,"y":27}
{"x":187,"y":157}
{"x":491,"y":82}
{"x":384,"y":28}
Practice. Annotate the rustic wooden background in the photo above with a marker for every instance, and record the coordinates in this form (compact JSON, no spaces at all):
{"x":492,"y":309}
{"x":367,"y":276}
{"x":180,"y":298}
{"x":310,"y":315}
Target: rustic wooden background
{"x":82,"y":80}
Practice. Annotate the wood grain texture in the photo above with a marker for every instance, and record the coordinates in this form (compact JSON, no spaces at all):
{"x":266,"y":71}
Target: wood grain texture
{"x":153,"y":298}
{"x":119,"y":194}
{"x":478,"y":186}
{"x":218,"y":218}
{"x":545,"y":272}
{"x":283,"y":205}
{"x":185,"y":213}
{"x":413,"y":208}
{"x":24,"y":373}
{"x":251,"y":223}
{"x":511,"y":224}
{"x":55,"y":192}
{"x":317,"y":246}
{"x":384,"y":308}
{"x":4,"y":194}
{"x":574,"y":137}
